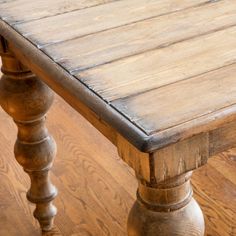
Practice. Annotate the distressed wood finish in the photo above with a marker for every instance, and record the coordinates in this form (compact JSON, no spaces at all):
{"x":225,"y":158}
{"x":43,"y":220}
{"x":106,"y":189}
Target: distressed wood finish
{"x":167,"y":209}
{"x":100,"y":18}
{"x":222,"y":139}
{"x":144,"y":76}
{"x":157,"y":32}
{"x":181,"y":61}
{"x":213,"y":185}
{"x":164,"y":203}
{"x":207,"y":93}
{"x":170,"y":161}
{"x":157,"y":78}
{"x":26,"y":99}
{"x":8,"y":8}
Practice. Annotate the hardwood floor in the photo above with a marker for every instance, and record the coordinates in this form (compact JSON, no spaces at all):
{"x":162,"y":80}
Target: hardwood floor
{"x":96,"y":189}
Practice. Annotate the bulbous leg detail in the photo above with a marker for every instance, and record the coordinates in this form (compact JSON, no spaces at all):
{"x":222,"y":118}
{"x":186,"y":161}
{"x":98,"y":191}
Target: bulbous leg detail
{"x":166,"y":210}
{"x":27,"y":99}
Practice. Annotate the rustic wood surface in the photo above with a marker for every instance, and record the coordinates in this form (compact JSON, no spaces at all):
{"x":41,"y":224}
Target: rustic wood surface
{"x":170,"y":94}
{"x":87,"y":163}
{"x":133,"y":60}
{"x":27,"y":99}
{"x":99,"y":18}
{"x":62,"y":6}
{"x":157,"y":32}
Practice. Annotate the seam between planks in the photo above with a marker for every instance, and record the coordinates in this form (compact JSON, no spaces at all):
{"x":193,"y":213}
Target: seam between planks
{"x":197,"y":117}
{"x":130,"y":23}
{"x":162,"y":46}
{"x":67,"y":71}
{"x":144,"y":138}
{"x":110,"y":102}
{"x":152,"y":133}
{"x":176,"y":82}
{"x":58,"y":14}
{"x":187,"y":121}
{"x":233,"y":62}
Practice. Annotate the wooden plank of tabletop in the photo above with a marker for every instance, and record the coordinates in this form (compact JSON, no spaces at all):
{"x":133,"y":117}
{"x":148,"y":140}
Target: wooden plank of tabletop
{"x":12,"y":12}
{"x":100,"y":48}
{"x":79,"y":23}
{"x":161,"y":67}
{"x":192,"y":98}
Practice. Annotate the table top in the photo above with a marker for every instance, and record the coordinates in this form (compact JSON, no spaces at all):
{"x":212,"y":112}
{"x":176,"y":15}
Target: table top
{"x":162,"y":70}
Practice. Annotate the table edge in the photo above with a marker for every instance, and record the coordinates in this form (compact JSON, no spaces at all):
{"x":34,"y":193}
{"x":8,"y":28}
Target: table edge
{"x":73,"y":89}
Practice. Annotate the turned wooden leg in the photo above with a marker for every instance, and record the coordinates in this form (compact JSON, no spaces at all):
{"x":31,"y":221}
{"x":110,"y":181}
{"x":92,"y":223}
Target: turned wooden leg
{"x":26,"y":99}
{"x":164,"y":205}
{"x":167,"y":209}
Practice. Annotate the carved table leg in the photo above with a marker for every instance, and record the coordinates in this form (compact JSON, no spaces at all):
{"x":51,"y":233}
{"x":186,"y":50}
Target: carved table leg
{"x":165,"y":206}
{"x":26,"y":99}
{"x":167,"y":209}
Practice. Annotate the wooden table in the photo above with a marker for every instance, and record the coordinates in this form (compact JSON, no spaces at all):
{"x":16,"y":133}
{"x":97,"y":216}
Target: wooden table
{"x":157,"y":78}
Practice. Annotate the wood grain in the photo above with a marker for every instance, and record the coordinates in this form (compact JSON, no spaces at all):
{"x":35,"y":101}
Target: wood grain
{"x":166,"y":209}
{"x":181,"y":157}
{"x":99,"y":18}
{"x":226,"y":159}
{"x":219,"y":209}
{"x":193,"y":98}
{"x":42,"y":8}
{"x":142,"y":76}
{"x":215,"y":192}
{"x":157,"y":68}
{"x":223,"y":138}
{"x":203,"y":124}
{"x":189,"y":63}
{"x":27,"y":99}
{"x":138,"y":161}
{"x":157,"y":32}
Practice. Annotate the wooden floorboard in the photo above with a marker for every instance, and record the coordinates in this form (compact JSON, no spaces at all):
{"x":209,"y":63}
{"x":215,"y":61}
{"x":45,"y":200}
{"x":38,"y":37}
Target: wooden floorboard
{"x":96,"y":189}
